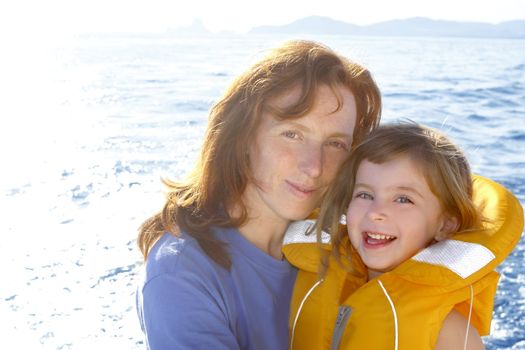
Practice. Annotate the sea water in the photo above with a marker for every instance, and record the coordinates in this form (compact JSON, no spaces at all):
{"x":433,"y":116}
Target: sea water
{"x":91,"y":124}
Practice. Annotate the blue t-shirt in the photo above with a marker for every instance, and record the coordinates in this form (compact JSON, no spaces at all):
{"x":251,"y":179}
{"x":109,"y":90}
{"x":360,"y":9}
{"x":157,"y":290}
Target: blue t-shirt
{"x":186,"y":301}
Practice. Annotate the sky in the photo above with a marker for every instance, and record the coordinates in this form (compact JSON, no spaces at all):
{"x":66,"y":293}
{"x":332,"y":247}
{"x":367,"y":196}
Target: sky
{"x":64,"y":17}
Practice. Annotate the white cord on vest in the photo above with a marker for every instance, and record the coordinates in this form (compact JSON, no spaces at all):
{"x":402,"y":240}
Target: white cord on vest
{"x":469,"y":316}
{"x":395,"y":315}
{"x":299,"y":310}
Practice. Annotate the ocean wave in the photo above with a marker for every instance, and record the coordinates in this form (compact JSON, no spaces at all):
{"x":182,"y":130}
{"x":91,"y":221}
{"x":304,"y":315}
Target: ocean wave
{"x":191,"y":106}
{"x":158,"y":81}
{"x":408,"y":96}
{"x":511,"y":89}
{"x":519,"y":67}
{"x":500,"y":103}
{"x":515,"y":136}
{"x":477,"y":118}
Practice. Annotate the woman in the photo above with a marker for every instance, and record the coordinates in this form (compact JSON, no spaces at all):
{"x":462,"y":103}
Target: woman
{"x":215,"y":275}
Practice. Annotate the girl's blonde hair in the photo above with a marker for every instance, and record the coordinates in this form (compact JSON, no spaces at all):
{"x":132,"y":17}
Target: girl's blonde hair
{"x":440,"y":161}
{"x":222,"y":172}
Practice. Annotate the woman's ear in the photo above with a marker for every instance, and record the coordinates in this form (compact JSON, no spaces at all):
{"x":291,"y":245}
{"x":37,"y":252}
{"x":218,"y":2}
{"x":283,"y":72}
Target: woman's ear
{"x":448,"y":227}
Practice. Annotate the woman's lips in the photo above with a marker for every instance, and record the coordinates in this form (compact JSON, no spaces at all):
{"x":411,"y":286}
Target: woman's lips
{"x":301,"y":190}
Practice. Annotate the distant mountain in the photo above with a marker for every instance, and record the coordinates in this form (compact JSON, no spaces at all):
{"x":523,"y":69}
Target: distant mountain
{"x":195,"y":28}
{"x":310,"y":25}
{"x":417,"y":26}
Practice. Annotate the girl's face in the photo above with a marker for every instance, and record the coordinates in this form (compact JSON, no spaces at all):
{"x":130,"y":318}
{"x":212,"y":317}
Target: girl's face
{"x":393,"y":214}
{"x":294,"y":160}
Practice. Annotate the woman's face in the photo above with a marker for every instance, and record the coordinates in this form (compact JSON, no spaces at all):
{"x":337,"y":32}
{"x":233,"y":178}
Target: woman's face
{"x":294,"y":160}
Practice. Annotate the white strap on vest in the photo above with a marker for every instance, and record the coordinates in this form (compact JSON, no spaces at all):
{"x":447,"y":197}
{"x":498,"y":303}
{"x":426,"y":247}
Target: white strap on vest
{"x":299,"y":310}
{"x":396,"y":329}
{"x":469,"y":316}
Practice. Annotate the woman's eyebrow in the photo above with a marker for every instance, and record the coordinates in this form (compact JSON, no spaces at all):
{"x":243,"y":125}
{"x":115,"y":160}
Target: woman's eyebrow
{"x":303,"y":127}
{"x":362,"y":185}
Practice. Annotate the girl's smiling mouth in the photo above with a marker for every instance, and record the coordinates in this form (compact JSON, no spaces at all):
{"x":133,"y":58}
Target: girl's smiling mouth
{"x":377,"y":239}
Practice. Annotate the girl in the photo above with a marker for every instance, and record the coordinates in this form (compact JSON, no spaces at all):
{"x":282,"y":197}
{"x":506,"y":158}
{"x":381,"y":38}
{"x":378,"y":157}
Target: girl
{"x":414,"y":268}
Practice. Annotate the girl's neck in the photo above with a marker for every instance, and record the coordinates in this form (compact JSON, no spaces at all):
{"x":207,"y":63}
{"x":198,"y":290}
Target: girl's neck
{"x":373,"y":274}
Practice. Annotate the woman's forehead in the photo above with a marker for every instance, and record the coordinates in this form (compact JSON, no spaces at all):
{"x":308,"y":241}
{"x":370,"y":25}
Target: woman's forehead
{"x":286,"y":98}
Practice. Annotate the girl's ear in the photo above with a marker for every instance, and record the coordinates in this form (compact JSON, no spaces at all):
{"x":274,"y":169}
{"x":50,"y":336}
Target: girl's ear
{"x":448,"y":227}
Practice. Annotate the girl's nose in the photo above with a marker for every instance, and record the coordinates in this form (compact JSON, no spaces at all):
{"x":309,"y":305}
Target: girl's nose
{"x":377,"y":211}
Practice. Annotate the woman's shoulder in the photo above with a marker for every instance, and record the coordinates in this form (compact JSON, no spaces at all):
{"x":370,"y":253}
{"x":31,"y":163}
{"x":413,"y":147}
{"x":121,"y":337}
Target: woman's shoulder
{"x":174,"y":255}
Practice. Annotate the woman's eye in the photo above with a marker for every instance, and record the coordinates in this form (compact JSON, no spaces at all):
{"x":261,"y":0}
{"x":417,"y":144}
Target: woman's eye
{"x":404,"y":200}
{"x":338,"y":144}
{"x":290,"y":134}
{"x":364,"y":195}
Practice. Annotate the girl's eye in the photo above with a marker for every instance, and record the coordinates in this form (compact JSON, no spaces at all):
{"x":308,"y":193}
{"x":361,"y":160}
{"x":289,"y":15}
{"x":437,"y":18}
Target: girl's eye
{"x":404,"y":200}
{"x":364,"y":195}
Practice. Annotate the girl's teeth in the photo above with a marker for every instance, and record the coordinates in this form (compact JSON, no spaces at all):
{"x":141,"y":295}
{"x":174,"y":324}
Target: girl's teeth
{"x":379,"y":236}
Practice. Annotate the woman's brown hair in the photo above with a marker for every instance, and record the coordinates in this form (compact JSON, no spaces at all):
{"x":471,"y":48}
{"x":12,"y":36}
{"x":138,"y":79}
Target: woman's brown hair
{"x":222,"y":172}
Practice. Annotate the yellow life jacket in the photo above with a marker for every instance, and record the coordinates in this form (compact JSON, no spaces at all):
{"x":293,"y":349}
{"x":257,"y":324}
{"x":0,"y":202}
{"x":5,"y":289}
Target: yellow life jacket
{"x":403,"y":308}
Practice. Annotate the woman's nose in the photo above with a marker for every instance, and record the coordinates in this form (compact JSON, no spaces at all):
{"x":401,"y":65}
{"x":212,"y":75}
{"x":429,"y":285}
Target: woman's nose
{"x":311,"y":161}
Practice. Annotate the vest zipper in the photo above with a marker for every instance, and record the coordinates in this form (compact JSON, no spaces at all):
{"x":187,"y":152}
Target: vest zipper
{"x":340,"y":325}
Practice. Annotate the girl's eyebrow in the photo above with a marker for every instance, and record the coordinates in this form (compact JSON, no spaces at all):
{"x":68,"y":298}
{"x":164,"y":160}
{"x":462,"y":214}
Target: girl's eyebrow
{"x":410,"y":189}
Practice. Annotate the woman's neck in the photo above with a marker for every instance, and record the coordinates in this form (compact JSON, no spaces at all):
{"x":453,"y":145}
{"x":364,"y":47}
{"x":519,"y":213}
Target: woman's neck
{"x":266,"y":236}
{"x":263,"y":227}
